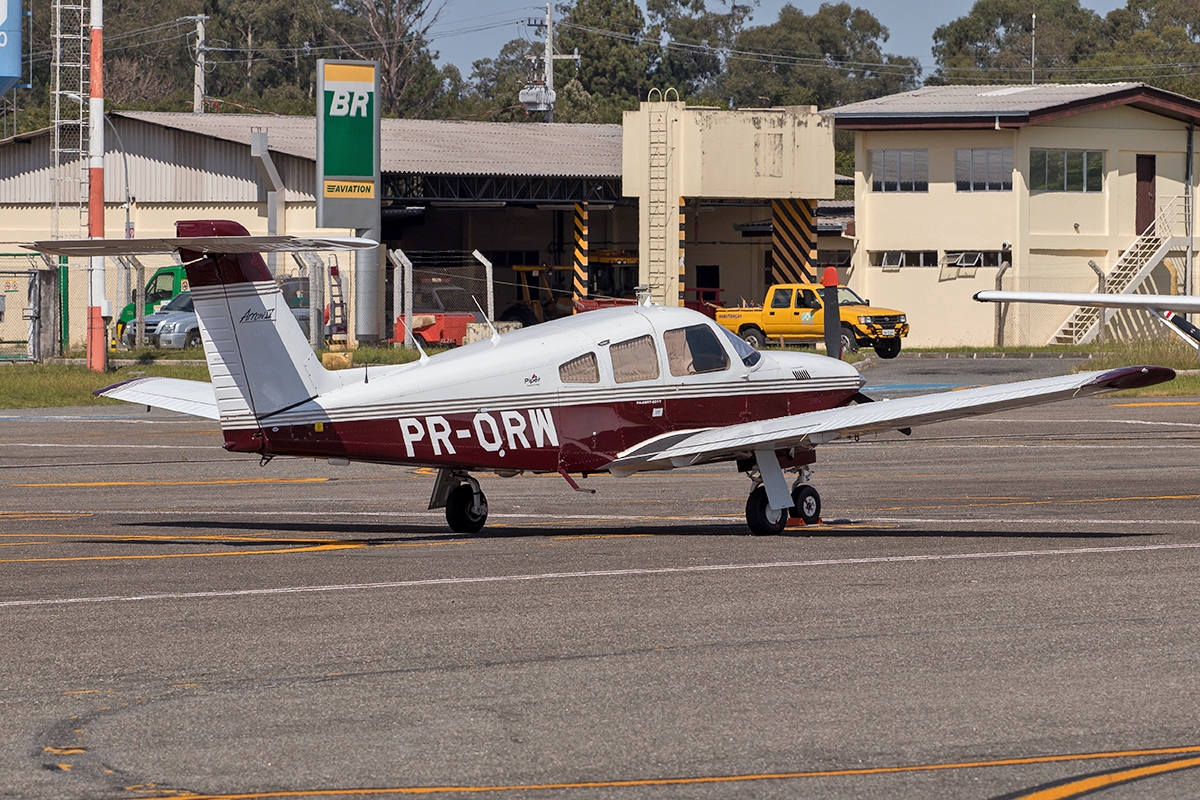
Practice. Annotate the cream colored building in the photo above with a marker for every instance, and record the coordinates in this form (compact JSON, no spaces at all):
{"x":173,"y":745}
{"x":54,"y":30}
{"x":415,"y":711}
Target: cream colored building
{"x":695,"y":169}
{"x":957,"y":185}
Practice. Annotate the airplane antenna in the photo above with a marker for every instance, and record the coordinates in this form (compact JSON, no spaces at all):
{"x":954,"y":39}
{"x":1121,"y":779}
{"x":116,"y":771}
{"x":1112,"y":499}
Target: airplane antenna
{"x":495,"y":333}
{"x":643,"y":294}
{"x":421,"y":350}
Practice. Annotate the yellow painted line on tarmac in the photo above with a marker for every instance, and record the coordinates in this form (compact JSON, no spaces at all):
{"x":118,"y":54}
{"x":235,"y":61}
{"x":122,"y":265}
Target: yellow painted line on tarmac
{"x":696,"y":780}
{"x":604,"y":536}
{"x":1096,"y":782}
{"x":218,"y":482}
{"x":277,"y":551}
{"x":1146,"y":403}
{"x":19,"y":544}
{"x":1054,"y":501}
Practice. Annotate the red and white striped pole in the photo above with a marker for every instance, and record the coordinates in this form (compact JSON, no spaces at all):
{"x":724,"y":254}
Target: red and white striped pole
{"x":98,"y":303}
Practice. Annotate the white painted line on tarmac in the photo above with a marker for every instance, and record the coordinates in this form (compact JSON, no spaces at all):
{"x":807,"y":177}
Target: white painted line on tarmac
{"x":605,"y":573}
{"x":76,"y":446}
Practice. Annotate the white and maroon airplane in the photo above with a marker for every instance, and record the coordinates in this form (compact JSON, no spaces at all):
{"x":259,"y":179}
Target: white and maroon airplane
{"x":620,"y":390}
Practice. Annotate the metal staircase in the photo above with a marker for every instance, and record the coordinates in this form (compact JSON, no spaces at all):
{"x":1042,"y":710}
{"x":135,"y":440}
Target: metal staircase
{"x":1134,"y":266}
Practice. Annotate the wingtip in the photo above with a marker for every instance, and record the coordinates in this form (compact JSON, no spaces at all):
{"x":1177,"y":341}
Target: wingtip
{"x":103,"y":392}
{"x":1134,"y":377}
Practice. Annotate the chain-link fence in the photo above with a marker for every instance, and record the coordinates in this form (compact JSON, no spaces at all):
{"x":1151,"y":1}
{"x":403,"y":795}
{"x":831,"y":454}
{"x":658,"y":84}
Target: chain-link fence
{"x":447,"y":282}
{"x":20,"y":301}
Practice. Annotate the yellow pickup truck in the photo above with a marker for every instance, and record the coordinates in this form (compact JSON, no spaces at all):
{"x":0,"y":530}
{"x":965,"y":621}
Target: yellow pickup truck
{"x":794,"y":311}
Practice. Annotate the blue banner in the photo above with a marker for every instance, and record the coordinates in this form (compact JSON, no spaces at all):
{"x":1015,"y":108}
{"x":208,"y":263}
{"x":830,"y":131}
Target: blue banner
{"x":10,"y":44}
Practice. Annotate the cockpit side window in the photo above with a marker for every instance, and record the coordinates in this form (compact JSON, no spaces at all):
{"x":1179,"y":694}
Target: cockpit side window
{"x":634,"y":360}
{"x":580,"y":370}
{"x":693,"y":350}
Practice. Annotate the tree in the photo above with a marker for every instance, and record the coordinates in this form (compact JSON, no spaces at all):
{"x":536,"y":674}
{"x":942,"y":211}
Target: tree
{"x":693,"y":42}
{"x":994,"y":42}
{"x":497,"y":82}
{"x":830,"y":58}
{"x":394,"y":33}
{"x":614,"y":54}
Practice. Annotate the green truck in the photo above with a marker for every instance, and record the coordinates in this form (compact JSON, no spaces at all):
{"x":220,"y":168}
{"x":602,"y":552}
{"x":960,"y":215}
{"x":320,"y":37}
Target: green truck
{"x":164,"y":284}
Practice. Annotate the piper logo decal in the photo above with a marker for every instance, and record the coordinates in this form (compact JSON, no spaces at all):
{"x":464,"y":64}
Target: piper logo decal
{"x":529,"y":429}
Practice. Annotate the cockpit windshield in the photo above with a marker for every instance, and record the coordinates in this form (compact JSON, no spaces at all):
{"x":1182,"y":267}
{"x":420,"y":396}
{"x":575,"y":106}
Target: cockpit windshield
{"x":745,"y":352}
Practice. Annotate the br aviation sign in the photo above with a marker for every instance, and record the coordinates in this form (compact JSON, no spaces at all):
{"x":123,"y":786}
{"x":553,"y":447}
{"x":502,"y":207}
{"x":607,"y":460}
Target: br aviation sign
{"x":347,"y":144}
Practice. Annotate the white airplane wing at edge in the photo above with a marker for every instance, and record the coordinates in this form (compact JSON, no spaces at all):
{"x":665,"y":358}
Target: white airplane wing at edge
{"x":683,"y":449}
{"x":173,"y":394}
{"x":1183,"y":303}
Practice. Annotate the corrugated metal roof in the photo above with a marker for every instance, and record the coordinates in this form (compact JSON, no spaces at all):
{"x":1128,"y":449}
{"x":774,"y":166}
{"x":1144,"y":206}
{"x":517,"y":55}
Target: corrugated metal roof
{"x":1015,"y":104}
{"x":434,"y":147}
{"x":957,"y":101}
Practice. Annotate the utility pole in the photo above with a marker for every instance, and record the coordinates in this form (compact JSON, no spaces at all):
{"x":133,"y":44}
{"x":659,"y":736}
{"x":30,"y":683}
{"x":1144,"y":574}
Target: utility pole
{"x":541,"y":96}
{"x":1033,"y":53}
{"x":99,"y":309}
{"x":198,"y":80}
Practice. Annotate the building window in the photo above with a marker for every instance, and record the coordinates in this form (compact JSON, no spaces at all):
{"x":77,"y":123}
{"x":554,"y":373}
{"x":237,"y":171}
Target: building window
{"x":580,"y":370}
{"x":900,"y":170}
{"x":983,"y":169}
{"x":975,"y":258}
{"x":1066,"y":170}
{"x":894,"y":259}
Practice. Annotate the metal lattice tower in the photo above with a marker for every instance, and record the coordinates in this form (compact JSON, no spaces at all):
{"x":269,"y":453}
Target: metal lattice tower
{"x":69,"y":155}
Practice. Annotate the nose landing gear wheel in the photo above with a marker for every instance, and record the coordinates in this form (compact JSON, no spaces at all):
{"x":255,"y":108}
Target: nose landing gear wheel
{"x":461,"y":512}
{"x":759,"y":516}
{"x":806,"y":504}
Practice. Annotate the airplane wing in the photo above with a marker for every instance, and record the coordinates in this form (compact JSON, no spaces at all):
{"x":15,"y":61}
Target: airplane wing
{"x":197,"y":244}
{"x":1183,"y":303}
{"x":686,"y":448}
{"x":173,"y":394}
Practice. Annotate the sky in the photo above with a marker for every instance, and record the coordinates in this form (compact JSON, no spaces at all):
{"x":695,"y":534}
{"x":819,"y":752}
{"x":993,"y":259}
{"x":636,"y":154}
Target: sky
{"x":468,"y":30}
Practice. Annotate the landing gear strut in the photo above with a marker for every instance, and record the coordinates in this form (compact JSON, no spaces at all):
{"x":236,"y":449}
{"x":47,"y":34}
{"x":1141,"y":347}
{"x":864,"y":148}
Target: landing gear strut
{"x":465,"y":503}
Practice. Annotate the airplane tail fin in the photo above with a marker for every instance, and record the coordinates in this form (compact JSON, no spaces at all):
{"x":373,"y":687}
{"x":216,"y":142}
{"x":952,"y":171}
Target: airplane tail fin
{"x":258,"y":356}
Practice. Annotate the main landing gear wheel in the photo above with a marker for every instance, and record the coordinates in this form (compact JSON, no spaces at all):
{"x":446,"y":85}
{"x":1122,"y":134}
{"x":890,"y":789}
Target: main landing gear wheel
{"x":759,"y":516}
{"x":461,"y":512}
{"x":806,"y":504}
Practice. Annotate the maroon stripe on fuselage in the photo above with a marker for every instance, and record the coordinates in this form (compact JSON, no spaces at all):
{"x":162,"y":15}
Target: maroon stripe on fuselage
{"x":577,"y":438}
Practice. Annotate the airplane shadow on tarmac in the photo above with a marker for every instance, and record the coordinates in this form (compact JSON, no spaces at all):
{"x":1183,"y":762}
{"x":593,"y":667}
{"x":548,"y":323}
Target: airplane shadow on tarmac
{"x":383,"y":533}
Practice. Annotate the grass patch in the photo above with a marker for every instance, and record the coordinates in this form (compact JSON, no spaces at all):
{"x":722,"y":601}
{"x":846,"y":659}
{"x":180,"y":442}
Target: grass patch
{"x":54,"y":385}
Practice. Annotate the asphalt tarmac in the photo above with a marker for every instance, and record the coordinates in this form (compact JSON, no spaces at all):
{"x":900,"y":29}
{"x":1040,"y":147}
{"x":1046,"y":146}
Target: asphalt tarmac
{"x":1001,"y":607}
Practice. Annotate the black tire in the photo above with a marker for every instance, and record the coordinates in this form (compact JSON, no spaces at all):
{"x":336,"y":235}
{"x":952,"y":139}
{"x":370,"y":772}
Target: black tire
{"x":887,"y":348}
{"x":459,"y":514}
{"x":760,"y":518}
{"x":849,"y":340}
{"x":754,"y":337}
{"x":521,"y":314}
{"x":806,"y":504}
{"x":193,"y":339}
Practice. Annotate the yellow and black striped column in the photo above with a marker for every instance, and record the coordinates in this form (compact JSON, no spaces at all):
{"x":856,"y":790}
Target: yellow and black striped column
{"x":794,"y":240}
{"x":581,"y":250}
{"x":682,"y":238}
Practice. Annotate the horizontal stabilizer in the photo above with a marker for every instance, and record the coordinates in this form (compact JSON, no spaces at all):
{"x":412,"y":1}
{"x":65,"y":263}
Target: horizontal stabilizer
{"x":1183,"y":303}
{"x":173,"y":394}
{"x":221,"y":245}
{"x":819,"y":427}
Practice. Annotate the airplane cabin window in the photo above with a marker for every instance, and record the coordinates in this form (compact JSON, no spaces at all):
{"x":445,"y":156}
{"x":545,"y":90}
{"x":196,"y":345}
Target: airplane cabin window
{"x":580,"y":370}
{"x":634,"y":360}
{"x":745,"y":352}
{"x":693,"y":350}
